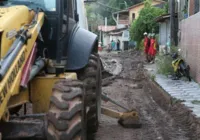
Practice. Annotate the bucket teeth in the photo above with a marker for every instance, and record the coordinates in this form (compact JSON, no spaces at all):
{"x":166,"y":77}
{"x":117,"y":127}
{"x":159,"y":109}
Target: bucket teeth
{"x":130,"y":123}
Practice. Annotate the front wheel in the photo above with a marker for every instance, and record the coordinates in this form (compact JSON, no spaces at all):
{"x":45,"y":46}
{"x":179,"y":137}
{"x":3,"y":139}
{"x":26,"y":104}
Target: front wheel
{"x":91,"y":75}
{"x":65,"y":119}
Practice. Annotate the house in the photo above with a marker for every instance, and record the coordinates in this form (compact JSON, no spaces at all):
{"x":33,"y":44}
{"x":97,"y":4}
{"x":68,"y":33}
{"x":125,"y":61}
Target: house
{"x":103,"y":30}
{"x":110,"y":33}
{"x":118,"y":32}
{"x":188,"y":8}
{"x":135,"y":9}
{"x":165,"y":30}
{"x":121,"y":34}
{"x":189,"y":34}
{"x":121,"y":18}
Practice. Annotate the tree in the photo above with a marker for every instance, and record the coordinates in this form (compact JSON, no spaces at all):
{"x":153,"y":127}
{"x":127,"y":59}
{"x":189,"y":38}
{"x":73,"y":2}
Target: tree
{"x":105,"y":8}
{"x":145,"y":22}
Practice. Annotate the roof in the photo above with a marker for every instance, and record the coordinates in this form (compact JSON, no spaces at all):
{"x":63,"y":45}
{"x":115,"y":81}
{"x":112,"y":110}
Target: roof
{"x":122,"y":11}
{"x":161,"y":5}
{"x":106,"y":28}
{"x":162,"y":18}
{"x":136,"y":5}
{"x":119,"y":29}
{"x":116,"y":33}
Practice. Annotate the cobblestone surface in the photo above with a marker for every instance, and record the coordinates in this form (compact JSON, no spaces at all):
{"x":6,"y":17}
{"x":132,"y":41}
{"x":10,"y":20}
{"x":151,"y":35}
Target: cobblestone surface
{"x":187,"y":91}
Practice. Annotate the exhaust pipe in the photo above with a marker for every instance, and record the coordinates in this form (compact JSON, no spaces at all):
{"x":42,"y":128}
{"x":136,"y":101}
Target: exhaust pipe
{"x":39,"y":64}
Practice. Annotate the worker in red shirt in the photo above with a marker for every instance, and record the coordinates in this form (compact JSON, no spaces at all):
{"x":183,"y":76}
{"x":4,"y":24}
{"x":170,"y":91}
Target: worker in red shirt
{"x":146,"y":46}
{"x":153,"y":48}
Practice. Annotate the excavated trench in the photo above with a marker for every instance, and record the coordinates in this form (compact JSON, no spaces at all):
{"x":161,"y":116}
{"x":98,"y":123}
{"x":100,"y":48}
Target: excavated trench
{"x":162,"y":117}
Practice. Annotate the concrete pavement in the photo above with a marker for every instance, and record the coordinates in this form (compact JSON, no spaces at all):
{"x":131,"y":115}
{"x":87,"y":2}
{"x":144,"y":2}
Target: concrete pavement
{"x":188,"y":92}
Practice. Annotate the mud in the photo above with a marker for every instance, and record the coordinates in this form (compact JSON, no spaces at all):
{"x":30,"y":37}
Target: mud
{"x":179,"y":112}
{"x":132,"y":88}
{"x":162,"y":118}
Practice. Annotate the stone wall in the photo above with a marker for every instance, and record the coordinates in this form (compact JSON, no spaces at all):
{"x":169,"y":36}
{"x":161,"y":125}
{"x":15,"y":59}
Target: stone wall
{"x":189,"y":42}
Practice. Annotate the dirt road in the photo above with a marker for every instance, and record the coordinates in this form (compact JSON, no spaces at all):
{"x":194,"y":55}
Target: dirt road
{"x":127,"y":88}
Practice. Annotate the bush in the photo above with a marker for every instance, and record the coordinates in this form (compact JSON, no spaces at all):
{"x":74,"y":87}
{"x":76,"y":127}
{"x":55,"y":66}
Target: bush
{"x":164,"y":63}
{"x":140,"y":45}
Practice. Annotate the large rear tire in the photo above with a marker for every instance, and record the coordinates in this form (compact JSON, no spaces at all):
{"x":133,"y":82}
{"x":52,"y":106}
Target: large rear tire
{"x":65,"y":116}
{"x":92,"y":77}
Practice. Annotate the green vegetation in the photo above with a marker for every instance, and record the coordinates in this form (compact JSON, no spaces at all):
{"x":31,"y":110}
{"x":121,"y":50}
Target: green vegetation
{"x":175,"y":101}
{"x":197,"y":102}
{"x":105,"y":8}
{"x":96,"y":12}
{"x":140,"y":46}
{"x":145,"y":22}
{"x":166,"y":7}
{"x":164,"y":63}
{"x":153,"y":77}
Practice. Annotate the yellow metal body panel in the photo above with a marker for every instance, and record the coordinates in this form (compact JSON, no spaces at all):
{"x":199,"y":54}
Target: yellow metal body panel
{"x":11,"y":20}
{"x":10,"y":85}
{"x":41,"y":90}
{"x":19,"y":99}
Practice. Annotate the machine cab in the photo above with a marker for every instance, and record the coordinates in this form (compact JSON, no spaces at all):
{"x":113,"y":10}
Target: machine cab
{"x":63,"y":35}
{"x":61,"y":17}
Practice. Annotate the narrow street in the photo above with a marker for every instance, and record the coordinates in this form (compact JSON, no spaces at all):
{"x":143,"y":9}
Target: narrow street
{"x":127,"y":88}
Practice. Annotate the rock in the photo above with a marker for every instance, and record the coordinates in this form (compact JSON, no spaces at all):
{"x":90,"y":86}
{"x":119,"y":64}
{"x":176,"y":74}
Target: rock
{"x":140,"y":66}
{"x":135,"y":86}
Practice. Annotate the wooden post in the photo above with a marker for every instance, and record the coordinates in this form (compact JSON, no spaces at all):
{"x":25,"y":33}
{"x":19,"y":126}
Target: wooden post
{"x":172,"y":21}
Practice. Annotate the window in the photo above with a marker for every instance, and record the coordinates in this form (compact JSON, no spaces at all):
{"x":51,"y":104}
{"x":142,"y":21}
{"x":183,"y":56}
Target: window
{"x":50,"y":5}
{"x":126,"y":34}
{"x":196,"y":6}
{"x":46,"y":5}
{"x":70,"y":6}
{"x":133,"y":16}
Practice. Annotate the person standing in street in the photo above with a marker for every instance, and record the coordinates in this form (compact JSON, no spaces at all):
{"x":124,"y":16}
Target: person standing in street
{"x":118,"y":45}
{"x":112,"y":45}
{"x":146,"y":46}
{"x":153,"y":48}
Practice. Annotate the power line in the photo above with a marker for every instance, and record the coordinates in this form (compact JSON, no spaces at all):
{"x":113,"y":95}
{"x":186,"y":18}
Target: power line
{"x":107,"y":6}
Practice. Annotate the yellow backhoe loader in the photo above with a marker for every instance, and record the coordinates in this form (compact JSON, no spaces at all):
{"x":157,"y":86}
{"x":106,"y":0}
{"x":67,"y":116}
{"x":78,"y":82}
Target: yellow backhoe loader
{"x":49,"y":63}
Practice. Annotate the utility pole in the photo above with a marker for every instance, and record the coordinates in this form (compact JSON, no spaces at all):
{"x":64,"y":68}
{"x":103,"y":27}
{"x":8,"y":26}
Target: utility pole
{"x":100,"y":33}
{"x":172,"y":21}
{"x":106,"y":23}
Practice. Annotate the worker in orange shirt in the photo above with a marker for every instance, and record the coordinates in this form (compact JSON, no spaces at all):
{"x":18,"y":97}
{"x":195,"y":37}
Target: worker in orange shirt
{"x":153,"y":48}
{"x":146,"y":46}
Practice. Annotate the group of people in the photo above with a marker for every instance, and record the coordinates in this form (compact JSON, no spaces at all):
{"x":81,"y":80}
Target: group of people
{"x":115,"y":45}
{"x":150,"y":47}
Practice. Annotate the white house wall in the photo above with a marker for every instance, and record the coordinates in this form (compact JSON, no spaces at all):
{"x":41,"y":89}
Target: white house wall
{"x":106,"y":39}
{"x":125,"y":35}
{"x":164,"y":33}
{"x":82,"y":14}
